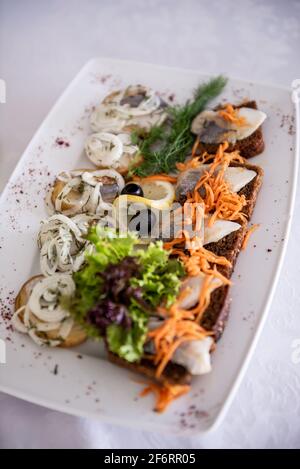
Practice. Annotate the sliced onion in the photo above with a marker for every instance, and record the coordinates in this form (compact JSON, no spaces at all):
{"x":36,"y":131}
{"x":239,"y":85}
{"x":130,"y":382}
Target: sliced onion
{"x":104,"y":148}
{"x":65,"y":176}
{"x":148,"y":105}
{"x":79,"y":260}
{"x":127,"y":144}
{"x":89,"y":181}
{"x":107,"y":118}
{"x":61,"y":243}
{"x":29,"y":321}
{"x":95,"y":198}
{"x":48,"y":202}
{"x":59,"y":219}
{"x":92,"y":176}
{"x":47,"y":326}
{"x":17,"y":322}
{"x":42,"y":342}
{"x":43,"y":314}
{"x":48,"y":264}
{"x":76,"y":205}
{"x":65,"y":328}
{"x":83,"y":222}
{"x":62,"y":284}
{"x":112,"y":116}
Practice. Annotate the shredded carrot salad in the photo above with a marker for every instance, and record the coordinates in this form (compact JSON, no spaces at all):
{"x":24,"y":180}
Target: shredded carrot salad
{"x":220,"y":200}
{"x":178,"y":327}
{"x":223,"y":159}
{"x":192,"y":163}
{"x":195,"y":146}
{"x":165,"y":393}
{"x":157,"y":177}
{"x":197,"y":259}
{"x":212,"y":189}
{"x":230,"y":114}
{"x":248,"y":234}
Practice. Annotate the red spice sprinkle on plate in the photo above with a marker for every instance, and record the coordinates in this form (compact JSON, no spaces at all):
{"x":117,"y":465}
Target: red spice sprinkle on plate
{"x":62,"y":143}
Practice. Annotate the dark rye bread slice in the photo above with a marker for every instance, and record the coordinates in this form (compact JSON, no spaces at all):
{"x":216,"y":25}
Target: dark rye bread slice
{"x":173,"y":373}
{"x":216,"y":315}
{"x":250,"y":191}
{"x":248,"y":147}
{"x":230,"y":245}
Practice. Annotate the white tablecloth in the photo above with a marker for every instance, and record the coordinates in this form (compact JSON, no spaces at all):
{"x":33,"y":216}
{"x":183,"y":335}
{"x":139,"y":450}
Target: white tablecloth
{"x":42,"y":46}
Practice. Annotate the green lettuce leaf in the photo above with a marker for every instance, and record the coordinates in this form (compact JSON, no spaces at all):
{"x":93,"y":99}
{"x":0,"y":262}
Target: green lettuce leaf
{"x":129,"y":343}
{"x":110,"y":248}
{"x":160,"y":275}
{"x":159,"y":280}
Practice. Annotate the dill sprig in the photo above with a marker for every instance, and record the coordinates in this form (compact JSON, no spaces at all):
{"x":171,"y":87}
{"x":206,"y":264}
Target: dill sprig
{"x":168,"y":144}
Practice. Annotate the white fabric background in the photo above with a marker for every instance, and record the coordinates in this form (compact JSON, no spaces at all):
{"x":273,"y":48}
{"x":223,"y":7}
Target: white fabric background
{"x":42,"y":46}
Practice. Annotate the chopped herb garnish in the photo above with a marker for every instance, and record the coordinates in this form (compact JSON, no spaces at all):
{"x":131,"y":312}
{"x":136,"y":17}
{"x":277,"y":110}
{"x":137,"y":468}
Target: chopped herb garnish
{"x":169,"y":143}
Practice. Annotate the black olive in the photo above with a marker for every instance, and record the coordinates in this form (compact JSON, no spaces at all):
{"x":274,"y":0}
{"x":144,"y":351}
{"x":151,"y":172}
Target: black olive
{"x":133,"y":189}
{"x":142,"y":222}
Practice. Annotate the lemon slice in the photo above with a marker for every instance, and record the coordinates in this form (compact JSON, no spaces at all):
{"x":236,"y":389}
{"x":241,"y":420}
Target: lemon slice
{"x":124,"y":199}
{"x":160,"y":193}
{"x":157,"y":194}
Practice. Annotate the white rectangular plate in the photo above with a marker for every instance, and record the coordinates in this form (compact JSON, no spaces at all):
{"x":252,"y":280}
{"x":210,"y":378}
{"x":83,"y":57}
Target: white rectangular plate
{"x":86,"y":384}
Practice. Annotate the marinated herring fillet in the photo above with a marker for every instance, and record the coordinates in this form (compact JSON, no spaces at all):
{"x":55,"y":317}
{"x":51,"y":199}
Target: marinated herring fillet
{"x":248,"y":147}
